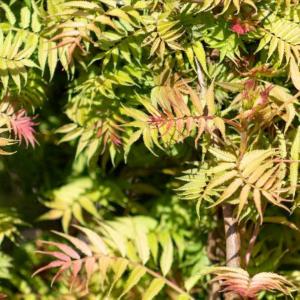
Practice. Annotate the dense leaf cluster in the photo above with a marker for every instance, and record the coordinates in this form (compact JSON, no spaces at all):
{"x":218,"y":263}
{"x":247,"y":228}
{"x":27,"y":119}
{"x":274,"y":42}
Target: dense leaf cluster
{"x":143,"y":119}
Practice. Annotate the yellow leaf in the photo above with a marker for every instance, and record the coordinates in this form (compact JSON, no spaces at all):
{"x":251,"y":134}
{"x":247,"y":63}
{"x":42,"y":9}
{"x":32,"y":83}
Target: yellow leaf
{"x":219,"y":123}
{"x":222,"y":155}
{"x":52,"y":58}
{"x":166,"y":259}
{"x":52,"y":214}
{"x":229,"y":191}
{"x":220,"y":179}
{"x":155,"y":287}
{"x":282,"y":221}
{"x":141,"y":242}
{"x":119,"y":267}
{"x":255,"y":163}
{"x":243,"y":198}
{"x":135,"y":276}
{"x":210,"y":99}
{"x":259,"y":172}
{"x":294,"y":167}
{"x":264,"y":178}
{"x":200,"y":54}
{"x":271,"y":198}
{"x":257,"y":202}
{"x":95,"y":239}
{"x":66,"y":219}
{"x":295,"y":74}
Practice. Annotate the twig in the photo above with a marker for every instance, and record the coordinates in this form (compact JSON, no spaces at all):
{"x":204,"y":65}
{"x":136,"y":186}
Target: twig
{"x":252,"y":243}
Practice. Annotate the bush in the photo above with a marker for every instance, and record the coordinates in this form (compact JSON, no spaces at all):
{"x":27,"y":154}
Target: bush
{"x":162,"y":148}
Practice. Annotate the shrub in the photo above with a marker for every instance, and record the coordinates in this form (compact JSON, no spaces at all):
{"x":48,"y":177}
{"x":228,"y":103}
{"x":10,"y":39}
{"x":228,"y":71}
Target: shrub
{"x":165,"y":152}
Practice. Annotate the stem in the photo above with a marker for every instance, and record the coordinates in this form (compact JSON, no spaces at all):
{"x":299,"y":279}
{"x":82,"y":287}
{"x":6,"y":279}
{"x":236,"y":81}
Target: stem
{"x":232,"y":235}
{"x":244,"y":139}
{"x":253,"y":238}
{"x":252,"y":243}
{"x":233,"y":243}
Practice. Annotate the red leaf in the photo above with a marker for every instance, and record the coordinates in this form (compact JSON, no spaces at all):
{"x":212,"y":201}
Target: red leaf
{"x":239,"y":27}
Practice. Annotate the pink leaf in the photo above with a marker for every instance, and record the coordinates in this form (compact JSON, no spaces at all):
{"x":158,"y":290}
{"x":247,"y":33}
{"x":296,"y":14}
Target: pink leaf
{"x":76,"y":267}
{"x":237,"y":280}
{"x":82,"y":246}
{"x":53,"y":264}
{"x":64,"y":267}
{"x":22,"y":126}
{"x":56,"y":254}
{"x":65,"y":248}
{"x":89,"y":268}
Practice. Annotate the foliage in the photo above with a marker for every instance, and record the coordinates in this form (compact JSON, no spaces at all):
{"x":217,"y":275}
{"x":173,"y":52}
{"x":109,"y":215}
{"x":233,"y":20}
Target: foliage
{"x":238,"y":280}
{"x":144,"y":122}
